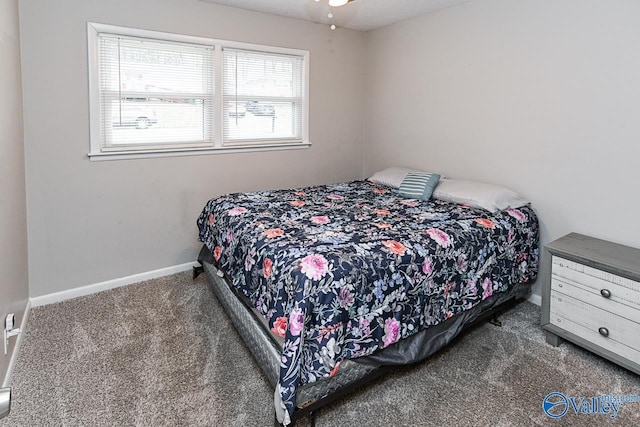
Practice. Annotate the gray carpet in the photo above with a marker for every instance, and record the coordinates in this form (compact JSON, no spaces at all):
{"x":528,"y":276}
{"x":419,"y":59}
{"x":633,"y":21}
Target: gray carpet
{"x":162,"y":352}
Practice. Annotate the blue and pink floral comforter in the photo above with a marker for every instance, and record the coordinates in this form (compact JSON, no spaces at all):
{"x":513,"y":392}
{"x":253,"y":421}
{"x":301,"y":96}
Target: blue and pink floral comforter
{"x":340,"y":271}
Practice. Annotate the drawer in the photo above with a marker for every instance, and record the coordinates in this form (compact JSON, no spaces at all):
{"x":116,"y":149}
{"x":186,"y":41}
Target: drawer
{"x":591,"y":297}
{"x":620,"y":289}
{"x":585,"y":320}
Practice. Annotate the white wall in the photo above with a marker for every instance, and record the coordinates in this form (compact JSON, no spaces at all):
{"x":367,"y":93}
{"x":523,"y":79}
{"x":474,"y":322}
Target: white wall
{"x":539,"y":95}
{"x":95,"y":221}
{"x":542,"y":96}
{"x":14,"y":287}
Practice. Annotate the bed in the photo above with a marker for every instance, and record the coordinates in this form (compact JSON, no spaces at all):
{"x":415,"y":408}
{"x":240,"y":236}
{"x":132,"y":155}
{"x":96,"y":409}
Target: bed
{"x":330,"y":285}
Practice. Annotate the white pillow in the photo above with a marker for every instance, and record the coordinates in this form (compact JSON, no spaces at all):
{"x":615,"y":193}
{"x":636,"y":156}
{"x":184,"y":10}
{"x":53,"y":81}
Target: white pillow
{"x":478,"y":195}
{"x":391,"y":177}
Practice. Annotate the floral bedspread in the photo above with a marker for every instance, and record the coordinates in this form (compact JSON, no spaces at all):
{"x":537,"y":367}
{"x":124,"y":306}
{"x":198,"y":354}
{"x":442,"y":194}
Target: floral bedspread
{"x":340,"y":271}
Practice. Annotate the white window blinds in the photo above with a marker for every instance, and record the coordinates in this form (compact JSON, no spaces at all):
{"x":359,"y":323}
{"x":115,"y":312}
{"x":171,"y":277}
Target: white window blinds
{"x":155,"y":94}
{"x":263,"y":97}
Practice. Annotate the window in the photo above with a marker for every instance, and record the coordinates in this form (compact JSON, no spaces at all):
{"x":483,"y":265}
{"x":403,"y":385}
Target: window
{"x":262,"y":97}
{"x":155,"y":94}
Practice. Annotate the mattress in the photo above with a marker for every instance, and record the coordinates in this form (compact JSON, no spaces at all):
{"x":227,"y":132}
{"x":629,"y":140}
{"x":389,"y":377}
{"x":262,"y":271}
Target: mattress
{"x":343,"y":271}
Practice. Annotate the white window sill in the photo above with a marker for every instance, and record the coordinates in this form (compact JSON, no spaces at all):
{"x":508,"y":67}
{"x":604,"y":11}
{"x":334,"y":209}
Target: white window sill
{"x":180,"y":152}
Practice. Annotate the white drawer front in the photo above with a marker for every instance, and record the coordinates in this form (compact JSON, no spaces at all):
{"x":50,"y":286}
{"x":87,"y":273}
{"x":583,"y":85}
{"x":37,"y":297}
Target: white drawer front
{"x":591,"y":297}
{"x":585,"y":320}
{"x":621,"y":289}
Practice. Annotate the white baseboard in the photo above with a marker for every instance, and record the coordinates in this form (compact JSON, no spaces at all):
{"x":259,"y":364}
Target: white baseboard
{"x":16,"y":348}
{"x":109,"y":284}
{"x":536,"y":299}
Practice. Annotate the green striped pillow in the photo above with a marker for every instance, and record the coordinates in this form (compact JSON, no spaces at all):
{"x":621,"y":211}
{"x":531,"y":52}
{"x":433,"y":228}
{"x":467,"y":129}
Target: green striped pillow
{"x":419,"y":185}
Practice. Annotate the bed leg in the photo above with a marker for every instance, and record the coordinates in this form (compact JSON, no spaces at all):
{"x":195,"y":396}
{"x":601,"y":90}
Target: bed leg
{"x":495,"y":321}
{"x":312,"y":419}
{"x":197,"y":270}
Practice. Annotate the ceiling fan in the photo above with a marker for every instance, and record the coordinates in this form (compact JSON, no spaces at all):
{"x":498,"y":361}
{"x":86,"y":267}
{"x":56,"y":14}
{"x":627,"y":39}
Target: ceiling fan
{"x":336,"y":3}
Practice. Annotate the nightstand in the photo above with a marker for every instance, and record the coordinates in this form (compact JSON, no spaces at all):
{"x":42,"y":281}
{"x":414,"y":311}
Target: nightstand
{"x":591,"y":297}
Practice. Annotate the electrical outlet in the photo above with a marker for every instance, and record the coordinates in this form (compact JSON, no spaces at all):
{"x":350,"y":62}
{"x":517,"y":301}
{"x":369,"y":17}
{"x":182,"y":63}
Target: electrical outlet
{"x":9,"y":331}
{"x":8,"y":323}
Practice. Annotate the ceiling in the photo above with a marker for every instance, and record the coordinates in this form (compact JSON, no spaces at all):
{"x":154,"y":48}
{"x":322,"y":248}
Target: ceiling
{"x":360,"y":15}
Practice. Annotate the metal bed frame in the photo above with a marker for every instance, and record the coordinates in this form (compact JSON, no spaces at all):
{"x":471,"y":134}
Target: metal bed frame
{"x":353,"y":373}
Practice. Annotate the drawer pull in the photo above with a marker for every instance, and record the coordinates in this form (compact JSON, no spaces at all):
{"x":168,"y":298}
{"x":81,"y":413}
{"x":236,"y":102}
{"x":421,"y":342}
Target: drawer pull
{"x":605,"y":293}
{"x":604,"y":332}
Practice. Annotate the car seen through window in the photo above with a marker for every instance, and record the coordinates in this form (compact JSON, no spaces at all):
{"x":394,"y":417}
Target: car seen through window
{"x":135,"y":112}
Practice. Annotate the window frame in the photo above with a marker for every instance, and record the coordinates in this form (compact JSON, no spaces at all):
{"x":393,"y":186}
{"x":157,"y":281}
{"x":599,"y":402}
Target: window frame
{"x":97,"y":149}
{"x":229,"y":80}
